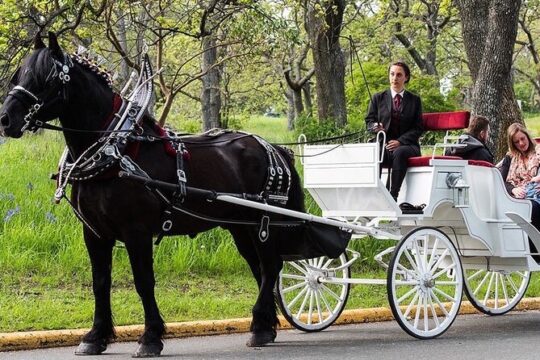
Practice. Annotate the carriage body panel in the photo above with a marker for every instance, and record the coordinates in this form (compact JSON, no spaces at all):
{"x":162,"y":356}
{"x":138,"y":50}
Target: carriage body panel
{"x":344,"y":182}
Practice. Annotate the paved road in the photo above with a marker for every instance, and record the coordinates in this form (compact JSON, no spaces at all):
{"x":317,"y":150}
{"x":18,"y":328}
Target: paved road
{"x":512,"y":336}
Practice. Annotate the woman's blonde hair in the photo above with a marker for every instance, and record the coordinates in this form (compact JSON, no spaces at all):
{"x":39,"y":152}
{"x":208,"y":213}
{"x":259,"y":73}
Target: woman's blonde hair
{"x":513,"y":130}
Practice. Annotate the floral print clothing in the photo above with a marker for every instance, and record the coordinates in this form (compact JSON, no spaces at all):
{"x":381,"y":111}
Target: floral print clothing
{"x":522,"y":169}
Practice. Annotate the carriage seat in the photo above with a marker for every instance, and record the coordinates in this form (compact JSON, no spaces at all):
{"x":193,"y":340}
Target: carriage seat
{"x":443,"y":121}
{"x":424,"y":161}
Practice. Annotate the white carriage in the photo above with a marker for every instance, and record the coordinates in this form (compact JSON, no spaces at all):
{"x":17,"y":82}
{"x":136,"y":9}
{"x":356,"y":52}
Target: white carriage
{"x":471,"y":235}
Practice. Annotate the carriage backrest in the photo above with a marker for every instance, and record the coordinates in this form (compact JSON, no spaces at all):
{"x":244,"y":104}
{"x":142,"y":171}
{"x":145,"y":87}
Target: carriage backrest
{"x":443,"y":121}
{"x":454,"y":120}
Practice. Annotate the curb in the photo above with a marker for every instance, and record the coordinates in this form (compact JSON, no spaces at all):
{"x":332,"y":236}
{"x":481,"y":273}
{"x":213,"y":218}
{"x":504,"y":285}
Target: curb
{"x":55,"y":338}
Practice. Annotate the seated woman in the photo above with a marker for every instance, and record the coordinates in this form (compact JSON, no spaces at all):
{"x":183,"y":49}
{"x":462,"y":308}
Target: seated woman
{"x":520,"y":166}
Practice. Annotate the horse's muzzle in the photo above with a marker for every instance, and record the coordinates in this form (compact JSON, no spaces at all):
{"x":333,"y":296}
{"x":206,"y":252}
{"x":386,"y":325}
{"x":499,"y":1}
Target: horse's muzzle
{"x":4,"y":123}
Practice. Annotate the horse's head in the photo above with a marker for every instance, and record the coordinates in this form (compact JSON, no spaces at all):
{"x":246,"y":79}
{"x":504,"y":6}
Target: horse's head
{"x":37,"y":89}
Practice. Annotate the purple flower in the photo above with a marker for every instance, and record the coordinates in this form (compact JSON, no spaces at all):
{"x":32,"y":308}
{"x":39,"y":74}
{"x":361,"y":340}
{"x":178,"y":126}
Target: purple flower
{"x":11,"y":212}
{"x":8,"y":197}
{"x":50,"y":217}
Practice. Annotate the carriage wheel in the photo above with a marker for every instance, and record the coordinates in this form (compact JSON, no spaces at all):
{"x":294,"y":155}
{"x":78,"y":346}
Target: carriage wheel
{"x":495,"y":292}
{"x":425,"y":283}
{"x":308,"y":304}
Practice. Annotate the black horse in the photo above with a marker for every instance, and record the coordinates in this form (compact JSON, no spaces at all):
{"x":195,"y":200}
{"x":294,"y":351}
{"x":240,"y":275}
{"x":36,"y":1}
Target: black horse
{"x":115,"y":208}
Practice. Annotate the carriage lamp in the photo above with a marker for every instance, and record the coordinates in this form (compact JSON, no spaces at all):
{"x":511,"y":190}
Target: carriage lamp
{"x":460,"y":189}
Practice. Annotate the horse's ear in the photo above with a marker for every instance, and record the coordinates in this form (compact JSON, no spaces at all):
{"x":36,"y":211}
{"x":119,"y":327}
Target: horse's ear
{"x":53,"y":44}
{"x":38,"y":42}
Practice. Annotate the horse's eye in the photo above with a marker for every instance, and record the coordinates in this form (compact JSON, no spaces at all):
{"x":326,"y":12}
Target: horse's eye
{"x":15,"y":77}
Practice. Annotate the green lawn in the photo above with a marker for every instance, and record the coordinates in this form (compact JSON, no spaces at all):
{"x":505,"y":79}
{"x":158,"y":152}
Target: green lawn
{"x":45,"y":280}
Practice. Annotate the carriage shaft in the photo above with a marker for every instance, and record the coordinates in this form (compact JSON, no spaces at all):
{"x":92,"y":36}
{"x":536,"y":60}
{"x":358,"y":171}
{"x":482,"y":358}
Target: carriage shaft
{"x":308,"y":217}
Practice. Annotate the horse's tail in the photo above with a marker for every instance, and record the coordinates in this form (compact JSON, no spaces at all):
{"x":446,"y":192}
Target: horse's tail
{"x":296,"y":192}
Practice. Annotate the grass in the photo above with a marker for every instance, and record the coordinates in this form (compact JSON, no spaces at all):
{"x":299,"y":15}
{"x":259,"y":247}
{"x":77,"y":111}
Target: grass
{"x":45,"y":279}
{"x":533,"y":124}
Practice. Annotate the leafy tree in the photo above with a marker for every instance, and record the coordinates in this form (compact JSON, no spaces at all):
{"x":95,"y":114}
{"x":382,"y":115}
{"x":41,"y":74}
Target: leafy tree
{"x":489,"y":32}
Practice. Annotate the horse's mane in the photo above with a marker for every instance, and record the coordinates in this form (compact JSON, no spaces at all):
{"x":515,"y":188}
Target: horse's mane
{"x":41,"y":64}
{"x":89,"y":64}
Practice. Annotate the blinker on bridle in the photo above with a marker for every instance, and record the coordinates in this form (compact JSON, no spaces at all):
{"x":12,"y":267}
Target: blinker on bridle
{"x":60,"y":70}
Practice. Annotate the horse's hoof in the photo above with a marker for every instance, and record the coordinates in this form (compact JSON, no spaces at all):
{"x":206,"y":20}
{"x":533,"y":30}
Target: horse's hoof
{"x":148,"y":350}
{"x":90,"y":349}
{"x":261,"y":338}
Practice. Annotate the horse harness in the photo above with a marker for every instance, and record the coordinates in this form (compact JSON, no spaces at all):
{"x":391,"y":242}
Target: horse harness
{"x":124,"y":128}
{"x":274,"y":191}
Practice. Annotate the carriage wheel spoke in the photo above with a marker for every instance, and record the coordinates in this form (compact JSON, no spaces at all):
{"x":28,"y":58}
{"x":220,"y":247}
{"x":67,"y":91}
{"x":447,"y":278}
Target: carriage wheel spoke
{"x":426,"y":314}
{"x":318,"y":303}
{"x":444,"y":294}
{"x":439,"y":260}
{"x":475,"y":274}
{"x":310,"y":312}
{"x":328,"y":308}
{"x":293,"y":277}
{"x":488,"y":288}
{"x":444,"y":282}
{"x":298,"y":296}
{"x":505,"y":291}
{"x":417,"y":314}
{"x":411,"y":304}
{"x":481,"y":284}
{"x":513,"y":284}
{"x":298,"y":267}
{"x":326,"y":264}
{"x":449,"y":267}
{"x":418,"y":256}
{"x":441,"y":306}
{"x":304,"y":302}
{"x":407,"y":294}
{"x":331,"y":292}
{"x":408,"y":271}
{"x":496,"y":297}
{"x":294,"y":287}
{"x":433,"y":312}
{"x":411,"y":261}
{"x":432,"y":256}
{"x":425,"y":252}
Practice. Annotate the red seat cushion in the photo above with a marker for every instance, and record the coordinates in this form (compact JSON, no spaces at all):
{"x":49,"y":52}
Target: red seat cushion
{"x":481,"y":163}
{"x":454,"y":120}
{"x":424,"y":160}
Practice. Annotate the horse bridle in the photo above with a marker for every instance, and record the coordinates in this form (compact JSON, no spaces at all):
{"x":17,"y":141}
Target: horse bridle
{"x":60,"y":71}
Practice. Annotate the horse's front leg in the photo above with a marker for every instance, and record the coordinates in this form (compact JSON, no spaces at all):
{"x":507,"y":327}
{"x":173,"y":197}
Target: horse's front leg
{"x":102,"y":332}
{"x":139,"y":248}
{"x":265,"y":321}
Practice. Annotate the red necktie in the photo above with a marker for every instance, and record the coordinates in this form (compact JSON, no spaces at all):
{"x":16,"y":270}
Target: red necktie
{"x":397,"y":102}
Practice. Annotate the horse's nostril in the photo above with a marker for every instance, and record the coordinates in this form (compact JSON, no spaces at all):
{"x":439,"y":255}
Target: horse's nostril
{"x":4,"y":120}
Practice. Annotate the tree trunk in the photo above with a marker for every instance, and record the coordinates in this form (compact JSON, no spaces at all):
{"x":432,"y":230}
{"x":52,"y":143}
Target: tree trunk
{"x":308,"y":105}
{"x":291,"y":116}
{"x":323,"y":24}
{"x":489,"y":32}
{"x":122,"y":39}
{"x":211,"y":92}
{"x":298,"y":103}
{"x":166,"y":109}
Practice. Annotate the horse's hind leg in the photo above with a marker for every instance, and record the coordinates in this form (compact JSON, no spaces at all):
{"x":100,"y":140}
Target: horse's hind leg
{"x":102,"y":332}
{"x":139,"y":248}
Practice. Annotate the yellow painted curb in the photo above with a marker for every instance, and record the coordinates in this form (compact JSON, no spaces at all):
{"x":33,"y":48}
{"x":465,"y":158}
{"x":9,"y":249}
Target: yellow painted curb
{"x":44,"y":339}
